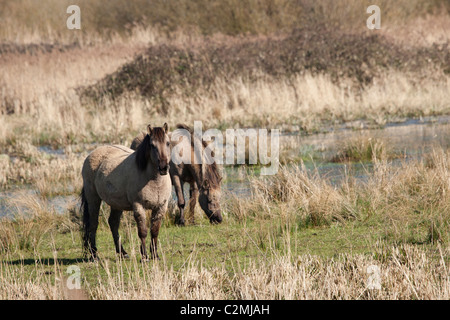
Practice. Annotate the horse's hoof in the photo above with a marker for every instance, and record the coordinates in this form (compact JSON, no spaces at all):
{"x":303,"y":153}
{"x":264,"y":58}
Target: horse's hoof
{"x":124,"y":256}
{"x":155,"y":257}
{"x":91,"y":259}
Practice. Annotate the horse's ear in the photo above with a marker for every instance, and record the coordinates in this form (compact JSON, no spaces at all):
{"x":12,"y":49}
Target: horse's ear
{"x":205,"y":184}
{"x":166,"y":127}
{"x":149,"y":129}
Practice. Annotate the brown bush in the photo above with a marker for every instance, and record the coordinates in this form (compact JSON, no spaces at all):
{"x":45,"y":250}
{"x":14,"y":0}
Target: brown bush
{"x":311,"y":49}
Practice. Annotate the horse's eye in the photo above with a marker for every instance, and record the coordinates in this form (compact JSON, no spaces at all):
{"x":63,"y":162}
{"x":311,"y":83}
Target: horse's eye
{"x":168,"y":144}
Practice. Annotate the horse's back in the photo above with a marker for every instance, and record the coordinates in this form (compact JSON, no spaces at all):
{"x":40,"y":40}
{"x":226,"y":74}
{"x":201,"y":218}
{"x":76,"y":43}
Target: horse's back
{"x":105,"y":157}
{"x":107,"y":152}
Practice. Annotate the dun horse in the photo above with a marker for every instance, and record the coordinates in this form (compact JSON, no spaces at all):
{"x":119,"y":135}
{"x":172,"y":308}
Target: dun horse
{"x":127,"y":181}
{"x":204,"y":180}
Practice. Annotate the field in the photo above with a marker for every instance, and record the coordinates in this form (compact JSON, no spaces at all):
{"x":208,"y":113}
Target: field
{"x":360,"y":205}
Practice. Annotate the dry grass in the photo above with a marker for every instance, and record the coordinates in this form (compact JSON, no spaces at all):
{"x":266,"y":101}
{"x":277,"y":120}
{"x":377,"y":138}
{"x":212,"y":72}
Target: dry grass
{"x":406,"y":273}
{"x":294,"y":193}
{"x":362,"y":149}
{"x":409,"y":273}
{"x":29,"y":21}
{"x":308,"y":101}
{"x":424,"y":31}
{"x":411,"y":201}
{"x":304,"y":102}
{"x":47,"y":173}
{"x":32,"y":220}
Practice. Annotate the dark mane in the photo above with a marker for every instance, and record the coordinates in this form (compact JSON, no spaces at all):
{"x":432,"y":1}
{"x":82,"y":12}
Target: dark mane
{"x":212,"y":172}
{"x":186,"y":127}
{"x":143,"y":150}
{"x":143,"y":153}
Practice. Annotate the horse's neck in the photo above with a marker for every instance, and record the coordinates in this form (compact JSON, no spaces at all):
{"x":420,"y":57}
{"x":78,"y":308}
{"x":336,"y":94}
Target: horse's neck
{"x":198,"y":173}
{"x":198,"y":164}
{"x":151,"y":172}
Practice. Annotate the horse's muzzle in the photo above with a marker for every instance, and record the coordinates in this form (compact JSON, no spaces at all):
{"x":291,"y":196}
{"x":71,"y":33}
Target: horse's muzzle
{"x":215,"y":218}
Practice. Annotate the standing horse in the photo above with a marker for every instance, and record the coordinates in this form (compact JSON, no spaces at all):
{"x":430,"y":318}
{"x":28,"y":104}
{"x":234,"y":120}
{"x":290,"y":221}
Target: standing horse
{"x":127,"y":181}
{"x":204,"y":180}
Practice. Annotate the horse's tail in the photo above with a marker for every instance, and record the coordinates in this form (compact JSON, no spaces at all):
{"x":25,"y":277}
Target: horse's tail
{"x":86,"y":221}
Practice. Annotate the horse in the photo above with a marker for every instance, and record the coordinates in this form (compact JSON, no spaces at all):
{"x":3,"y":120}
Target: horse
{"x":204,"y":180}
{"x":127,"y":180}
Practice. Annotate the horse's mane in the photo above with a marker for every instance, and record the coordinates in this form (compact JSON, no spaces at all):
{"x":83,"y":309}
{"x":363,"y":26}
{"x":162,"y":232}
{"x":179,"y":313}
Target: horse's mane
{"x":143,"y":150}
{"x":212,"y":174}
{"x":211,"y":171}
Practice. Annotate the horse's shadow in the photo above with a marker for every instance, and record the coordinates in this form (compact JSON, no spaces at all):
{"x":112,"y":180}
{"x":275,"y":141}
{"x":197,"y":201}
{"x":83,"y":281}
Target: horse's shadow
{"x":46,"y":261}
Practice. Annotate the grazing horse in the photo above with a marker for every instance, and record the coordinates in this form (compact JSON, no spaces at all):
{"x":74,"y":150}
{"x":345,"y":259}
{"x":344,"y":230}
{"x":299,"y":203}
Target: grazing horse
{"x":127,"y":180}
{"x":204,"y":180}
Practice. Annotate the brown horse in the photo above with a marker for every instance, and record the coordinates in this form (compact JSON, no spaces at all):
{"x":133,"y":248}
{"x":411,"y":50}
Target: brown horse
{"x":204,"y":180}
{"x":127,"y":180}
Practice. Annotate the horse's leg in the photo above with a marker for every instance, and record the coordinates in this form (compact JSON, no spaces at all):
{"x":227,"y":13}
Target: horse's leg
{"x":94,"y":203}
{"x":141,"y":220}
{"x":193,"y":192}
{"x":90,"y":203}
{"x":114,"y":222}
{"x":180,"y":196}
{"x":157,"y":216}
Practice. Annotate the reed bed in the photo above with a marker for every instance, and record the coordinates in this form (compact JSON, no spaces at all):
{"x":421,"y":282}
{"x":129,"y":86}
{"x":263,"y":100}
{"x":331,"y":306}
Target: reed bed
{"x":409,"y":201}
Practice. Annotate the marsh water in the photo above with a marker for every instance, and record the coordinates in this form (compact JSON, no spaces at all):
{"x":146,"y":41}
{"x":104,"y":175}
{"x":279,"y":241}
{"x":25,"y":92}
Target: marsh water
{"x":405,"y":141}
{"x":408,"y":140}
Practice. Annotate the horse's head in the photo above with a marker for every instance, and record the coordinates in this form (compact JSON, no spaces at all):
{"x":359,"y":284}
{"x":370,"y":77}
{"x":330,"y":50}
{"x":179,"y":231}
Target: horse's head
{"x":155,"y":149}
{"x":159,"y":147}
{"x":209,"y":200}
